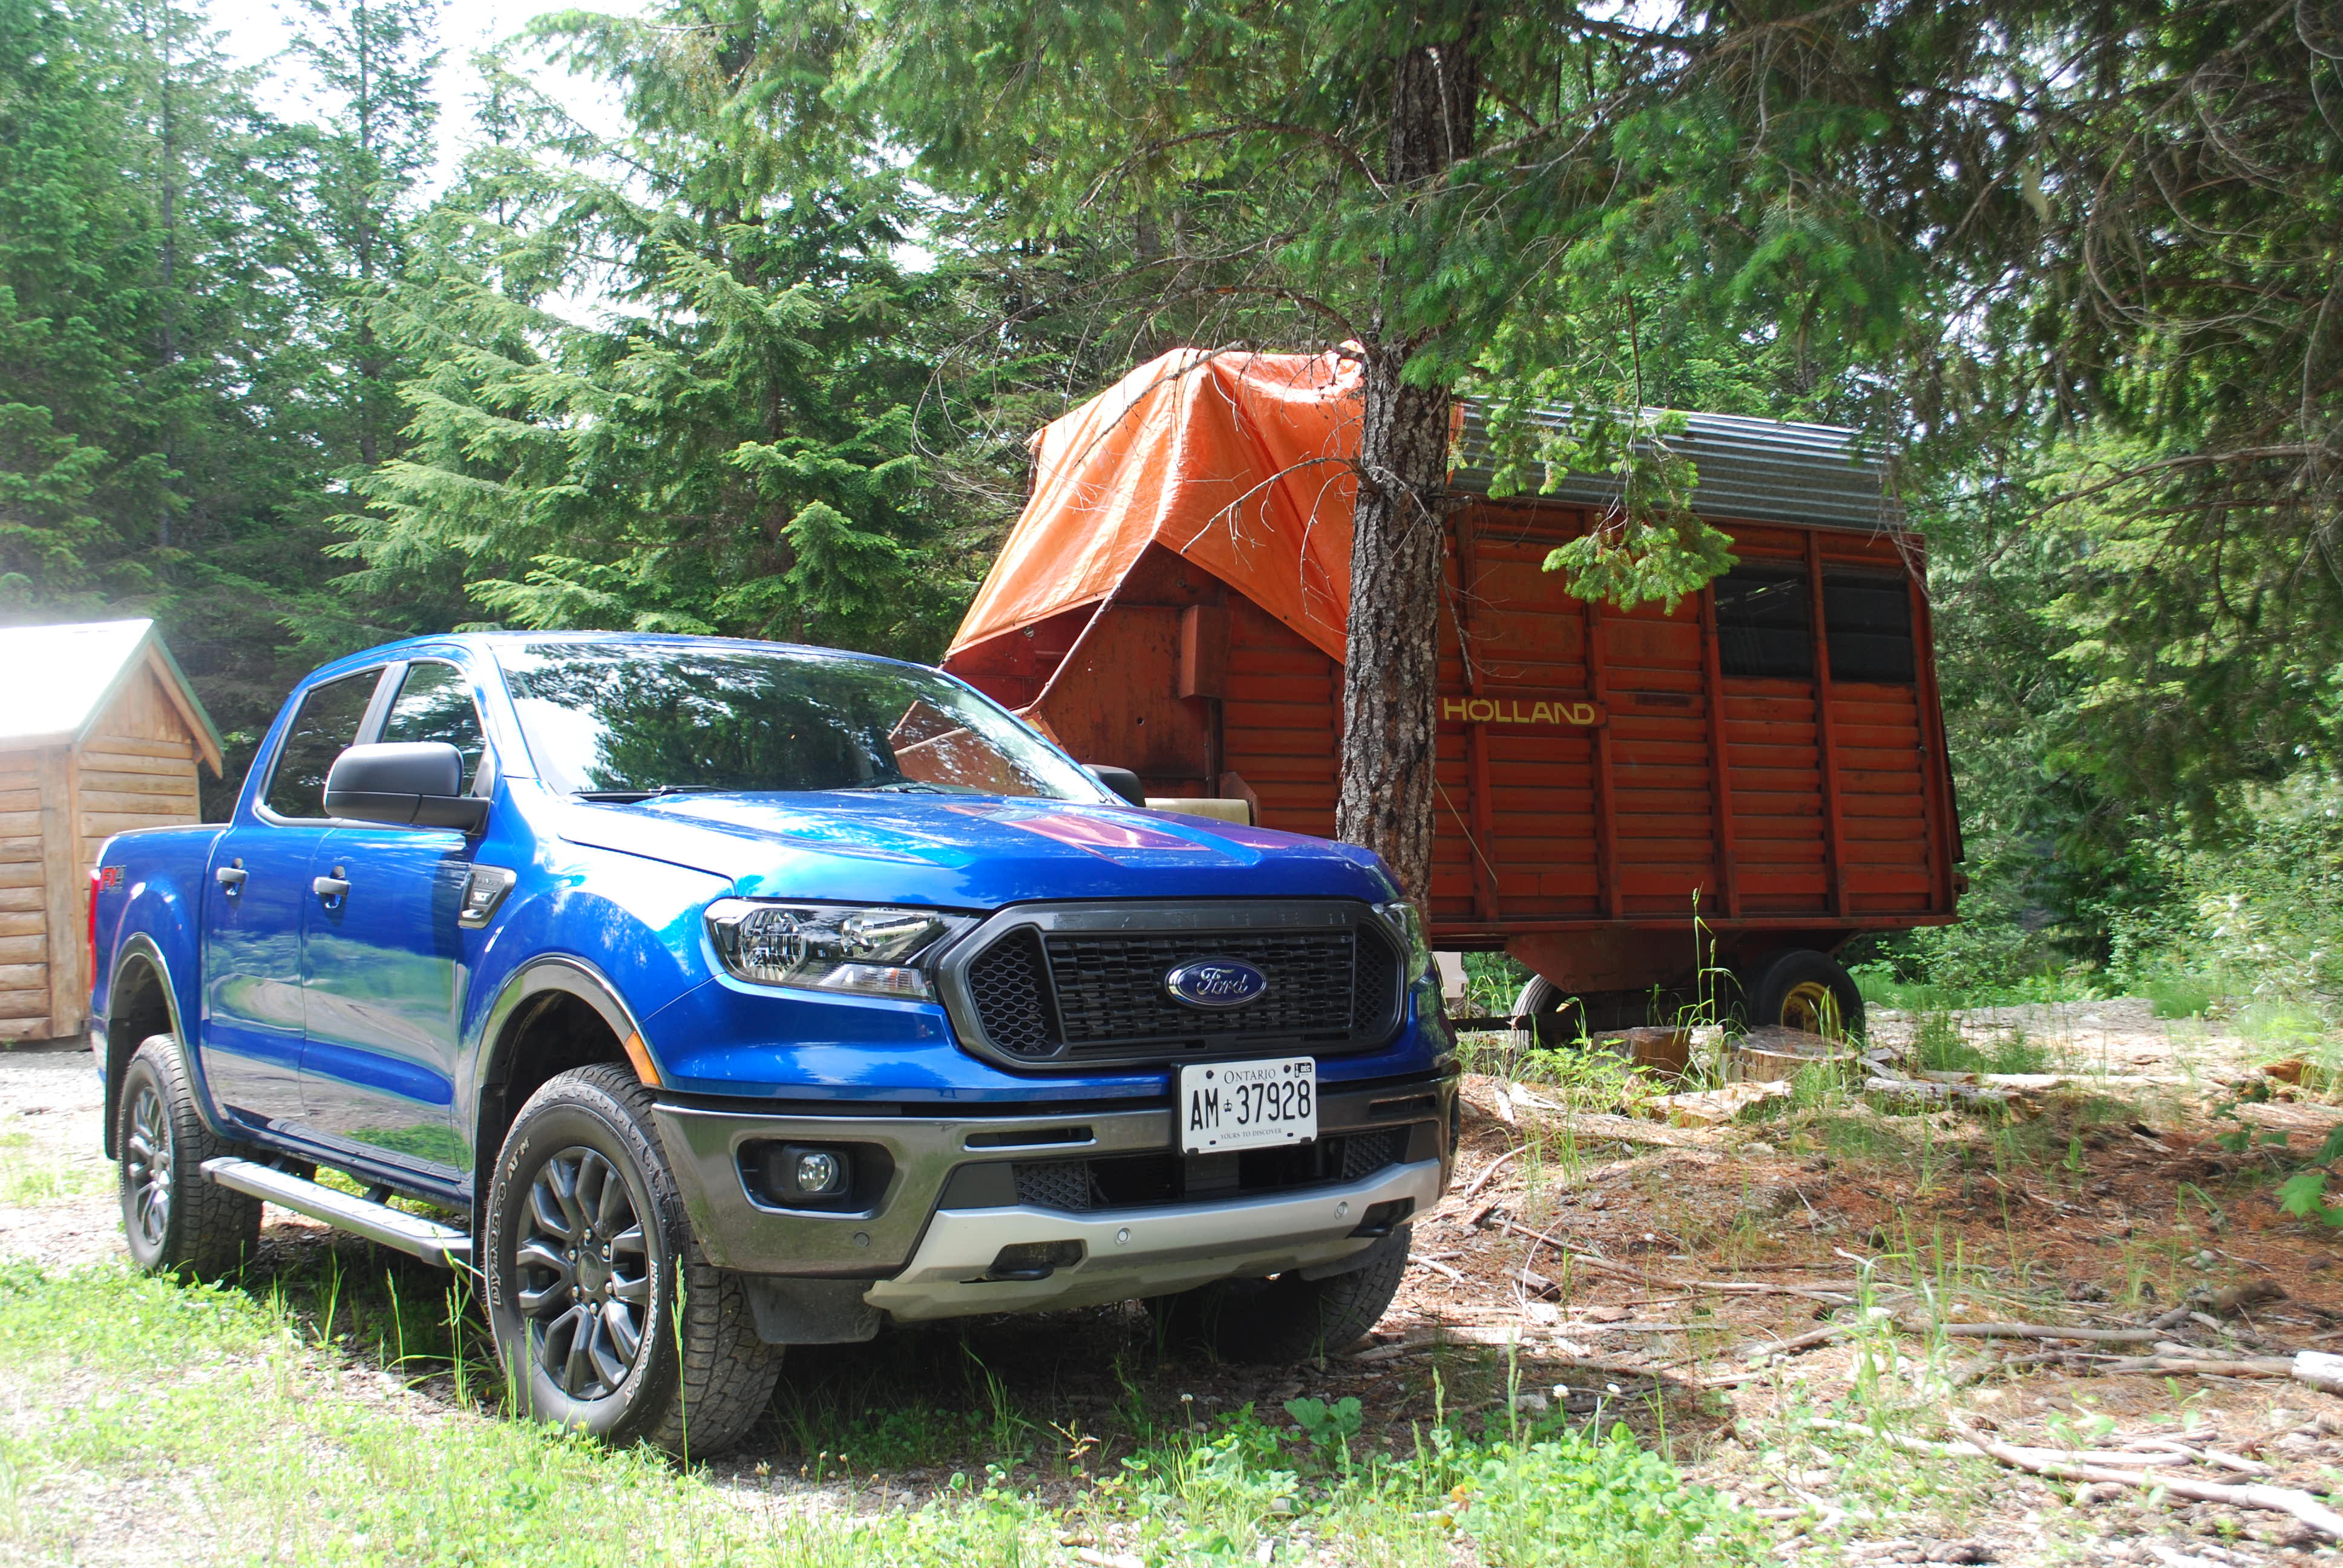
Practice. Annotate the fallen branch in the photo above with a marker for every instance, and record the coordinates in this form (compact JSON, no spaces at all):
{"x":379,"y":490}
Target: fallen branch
{"x":1436,"y":1266}
{"x":1928,"y":1093}
{"x":2040,"y":1331}
{"x":1791,"y":1346}
{"x":1716,"y":1287}
{"x":2285,"y":1500}
{"x":1488,"y":1171}
{"x":2203,"y":1366}
{"x":1970,"y":1451}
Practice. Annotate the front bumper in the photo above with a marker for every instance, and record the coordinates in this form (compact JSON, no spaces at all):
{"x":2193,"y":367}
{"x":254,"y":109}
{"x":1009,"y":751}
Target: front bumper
{"x":1135,"y":1253}
{"x":914,"y":1251}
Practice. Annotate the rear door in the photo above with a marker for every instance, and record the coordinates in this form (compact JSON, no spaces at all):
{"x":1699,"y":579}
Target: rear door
{"x":257,"y":907}
{"x":387,"y":959}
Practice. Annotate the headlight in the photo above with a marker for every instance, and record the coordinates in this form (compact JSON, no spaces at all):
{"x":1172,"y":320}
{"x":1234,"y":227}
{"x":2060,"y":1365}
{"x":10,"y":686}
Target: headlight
{"x":1409,"y":925}
{"x":829,"y":946}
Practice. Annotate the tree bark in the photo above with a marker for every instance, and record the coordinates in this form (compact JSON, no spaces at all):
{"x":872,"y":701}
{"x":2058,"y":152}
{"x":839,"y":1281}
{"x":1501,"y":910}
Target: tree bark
{"x":1392,"y":665}
{"x":1399,"y":523}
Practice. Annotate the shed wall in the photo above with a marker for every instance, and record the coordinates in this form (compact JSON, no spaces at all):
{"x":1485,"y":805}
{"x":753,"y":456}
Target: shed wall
{"x":24,"y":900}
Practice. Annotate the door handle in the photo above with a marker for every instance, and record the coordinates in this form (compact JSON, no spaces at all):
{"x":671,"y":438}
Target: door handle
{"x":329,"y":888}
{"x":230,"y":878}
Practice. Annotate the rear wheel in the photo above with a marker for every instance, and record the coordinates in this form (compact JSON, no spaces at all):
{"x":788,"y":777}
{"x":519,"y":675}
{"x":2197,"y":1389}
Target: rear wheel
{"x":608,"y":1319}
{"x":1556,"y":1018}
{"x":1804,"y":989}
{"x":1287,"y":1319}
{"x":175,"y":1220}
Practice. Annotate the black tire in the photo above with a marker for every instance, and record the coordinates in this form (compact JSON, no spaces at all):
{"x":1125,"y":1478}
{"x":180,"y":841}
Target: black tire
{"x":625,"y":1333}
{"x":1287,"y":1319}
{"x":1804,"y":989}
{"x":1556,"y":1019}
{"x":175,"y":1220}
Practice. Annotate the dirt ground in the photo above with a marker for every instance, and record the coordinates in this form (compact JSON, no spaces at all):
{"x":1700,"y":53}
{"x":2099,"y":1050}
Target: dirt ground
{"x":1718,"y":1289}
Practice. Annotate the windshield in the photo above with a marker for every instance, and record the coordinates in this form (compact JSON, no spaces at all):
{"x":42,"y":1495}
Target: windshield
{"x":625,"y":722}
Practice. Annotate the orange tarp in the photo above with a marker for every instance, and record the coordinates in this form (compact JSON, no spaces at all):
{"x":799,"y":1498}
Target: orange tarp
{"x":1239,"y":462}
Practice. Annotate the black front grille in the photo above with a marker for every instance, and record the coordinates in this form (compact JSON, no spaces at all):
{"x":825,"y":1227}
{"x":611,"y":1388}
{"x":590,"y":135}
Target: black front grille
{"x":1155,"y":1181}
{"x":1078,"y":985}
{"x":1110,"y":987}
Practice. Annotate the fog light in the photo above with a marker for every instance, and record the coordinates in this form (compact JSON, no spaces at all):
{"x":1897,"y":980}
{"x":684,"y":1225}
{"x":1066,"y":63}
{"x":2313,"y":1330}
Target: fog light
{"x":819,"y":1172}
{"x":1034,"y":1259}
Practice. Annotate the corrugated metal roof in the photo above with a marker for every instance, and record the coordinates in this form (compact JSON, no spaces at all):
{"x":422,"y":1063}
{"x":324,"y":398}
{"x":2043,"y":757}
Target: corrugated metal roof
{"x":1766,"y":470}
{"x":55,"y":680}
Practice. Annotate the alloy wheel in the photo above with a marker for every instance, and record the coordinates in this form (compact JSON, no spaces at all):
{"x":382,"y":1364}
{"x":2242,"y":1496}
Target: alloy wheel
{"x":146,"y":1164}
{"x":584,"y":1268}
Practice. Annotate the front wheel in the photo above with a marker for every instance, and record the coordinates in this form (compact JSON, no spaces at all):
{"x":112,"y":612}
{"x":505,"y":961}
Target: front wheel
{"x":175,"y":1220}
{"x":607,"y":1319}
{"x":1287,"y":1319}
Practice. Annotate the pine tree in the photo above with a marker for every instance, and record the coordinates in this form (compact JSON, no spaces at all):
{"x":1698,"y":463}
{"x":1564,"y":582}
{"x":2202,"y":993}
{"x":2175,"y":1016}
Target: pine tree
{"x":738,"y":445}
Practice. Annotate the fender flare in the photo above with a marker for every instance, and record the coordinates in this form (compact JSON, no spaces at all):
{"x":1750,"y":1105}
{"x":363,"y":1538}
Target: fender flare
{"x":553,"y":974}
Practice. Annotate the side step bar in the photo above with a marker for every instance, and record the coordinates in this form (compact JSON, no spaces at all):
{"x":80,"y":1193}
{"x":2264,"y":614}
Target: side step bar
{"x":411,"y":1234}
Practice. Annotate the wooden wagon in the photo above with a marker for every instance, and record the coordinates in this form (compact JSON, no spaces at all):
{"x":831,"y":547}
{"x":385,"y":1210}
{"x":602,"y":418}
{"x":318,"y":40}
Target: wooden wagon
{"x":1173,"y":601}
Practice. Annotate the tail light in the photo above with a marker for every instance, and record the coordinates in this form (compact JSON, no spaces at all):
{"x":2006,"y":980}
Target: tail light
{"x":89,"y":936}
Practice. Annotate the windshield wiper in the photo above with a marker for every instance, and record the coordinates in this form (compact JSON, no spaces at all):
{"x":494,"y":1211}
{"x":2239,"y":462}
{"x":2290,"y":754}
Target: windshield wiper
{"x":626,"y":798}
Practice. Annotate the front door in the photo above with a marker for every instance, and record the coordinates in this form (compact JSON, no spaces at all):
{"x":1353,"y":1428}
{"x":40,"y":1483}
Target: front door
{"x":387,"y":960}
{"x":256,"y":906}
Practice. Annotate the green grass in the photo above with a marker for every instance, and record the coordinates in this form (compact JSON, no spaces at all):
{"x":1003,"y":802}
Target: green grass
{"x":1880,"y":989}
{"x":1941,"y":1047}
{"x":2181,"y":996}
{"x":251,"y":1436}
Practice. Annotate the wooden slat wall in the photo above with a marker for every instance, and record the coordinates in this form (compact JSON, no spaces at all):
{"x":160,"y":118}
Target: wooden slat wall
{"x":58,"y":805}
{"x":1526,"y":635}
{"x":1883,"y":798}
{"x":1667,"y":824}
{"x":1277,"y":723}
{"x":24,"y":914}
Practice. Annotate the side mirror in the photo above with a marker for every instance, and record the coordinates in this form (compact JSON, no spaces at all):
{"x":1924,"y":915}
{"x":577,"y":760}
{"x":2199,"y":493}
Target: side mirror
{"x":1123,"y":781}
{"x":404,"y":784}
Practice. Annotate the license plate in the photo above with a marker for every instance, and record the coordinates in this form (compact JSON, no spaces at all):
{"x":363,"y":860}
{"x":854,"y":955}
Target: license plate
{"x":1248,"y":1104}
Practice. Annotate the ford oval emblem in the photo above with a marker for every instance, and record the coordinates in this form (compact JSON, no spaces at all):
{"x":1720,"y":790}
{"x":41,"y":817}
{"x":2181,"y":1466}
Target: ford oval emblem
{"x":1214,"y":984}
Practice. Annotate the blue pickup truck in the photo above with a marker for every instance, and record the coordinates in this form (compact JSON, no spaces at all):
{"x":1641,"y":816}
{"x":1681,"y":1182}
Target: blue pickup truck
{"x":703,"y":997}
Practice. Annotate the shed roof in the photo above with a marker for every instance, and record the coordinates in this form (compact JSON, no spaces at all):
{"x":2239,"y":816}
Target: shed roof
{"x":62,"y":678}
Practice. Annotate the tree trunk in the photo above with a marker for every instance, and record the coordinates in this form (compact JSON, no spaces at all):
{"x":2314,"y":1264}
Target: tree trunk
{"x":1390,"y":674}
{"x":1392,"y":663}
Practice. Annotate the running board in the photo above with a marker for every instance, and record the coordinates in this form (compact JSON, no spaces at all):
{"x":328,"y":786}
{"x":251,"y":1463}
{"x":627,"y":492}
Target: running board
{"x":411,"y":1234}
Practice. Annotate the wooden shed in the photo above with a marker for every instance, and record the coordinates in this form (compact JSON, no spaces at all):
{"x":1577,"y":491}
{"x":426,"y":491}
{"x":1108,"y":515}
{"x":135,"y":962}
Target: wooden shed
{"x":1767,"y":752}
{"x":99,"y":733}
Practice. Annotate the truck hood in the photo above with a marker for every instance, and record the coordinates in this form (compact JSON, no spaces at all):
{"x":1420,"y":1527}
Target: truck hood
{"x":970,"y":852}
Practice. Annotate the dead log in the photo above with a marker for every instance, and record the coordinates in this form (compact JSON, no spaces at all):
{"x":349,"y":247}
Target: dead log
{"x":2285,"y":1500}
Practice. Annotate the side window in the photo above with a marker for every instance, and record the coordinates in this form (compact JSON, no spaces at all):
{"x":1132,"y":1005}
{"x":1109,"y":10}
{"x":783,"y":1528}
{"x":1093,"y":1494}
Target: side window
{"x":326,"y":726}
{"x":435,"y":703}
{"x":1764,"y":625}
{"x":1869,"y":618}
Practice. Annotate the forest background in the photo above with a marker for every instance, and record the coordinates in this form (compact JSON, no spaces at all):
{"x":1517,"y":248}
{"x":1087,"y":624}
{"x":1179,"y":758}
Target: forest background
{"x":761,"y":359}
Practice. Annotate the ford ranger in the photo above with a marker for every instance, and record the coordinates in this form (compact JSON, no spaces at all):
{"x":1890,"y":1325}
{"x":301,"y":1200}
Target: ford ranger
{"x":703,"y":997}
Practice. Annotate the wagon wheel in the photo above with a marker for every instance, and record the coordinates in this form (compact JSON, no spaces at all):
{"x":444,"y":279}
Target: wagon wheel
{"x":1808,"y":990}
{"x":1548,"y":1011}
